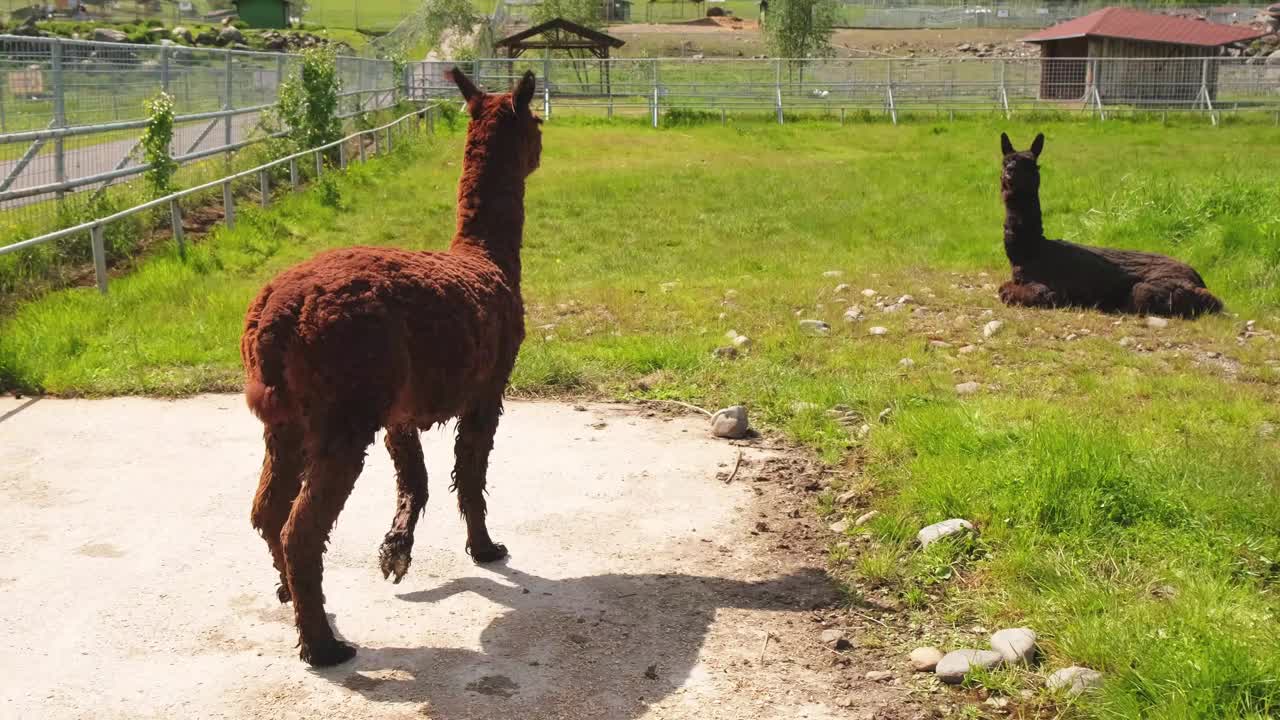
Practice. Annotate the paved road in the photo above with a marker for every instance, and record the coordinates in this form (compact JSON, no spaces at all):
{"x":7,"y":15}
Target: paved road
{"x":132,"y":586}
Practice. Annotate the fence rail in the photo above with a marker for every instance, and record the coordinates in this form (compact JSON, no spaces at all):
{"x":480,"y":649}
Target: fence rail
{"x":888,"y":85}
{"x":382,"y":136}
{"x":71,"y":111}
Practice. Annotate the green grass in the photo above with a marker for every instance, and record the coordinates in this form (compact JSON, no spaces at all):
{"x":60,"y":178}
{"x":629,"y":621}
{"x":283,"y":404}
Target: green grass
{"x":1126,"y":497}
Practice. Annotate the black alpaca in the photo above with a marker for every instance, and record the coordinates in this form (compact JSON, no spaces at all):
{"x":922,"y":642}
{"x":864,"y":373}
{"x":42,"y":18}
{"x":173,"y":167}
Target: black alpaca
{"x":1056,"y":273}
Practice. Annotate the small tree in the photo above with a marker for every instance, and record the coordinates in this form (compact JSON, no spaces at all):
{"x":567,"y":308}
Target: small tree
{"x":799,"y":29}
{"x":455,"y":18}
{"x":584,"y":12}
{"x":157,"y":138}
{"x":308,"y":105}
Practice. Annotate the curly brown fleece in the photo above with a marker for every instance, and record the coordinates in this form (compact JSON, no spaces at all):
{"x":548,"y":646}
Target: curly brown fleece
{"x":360,"y":339}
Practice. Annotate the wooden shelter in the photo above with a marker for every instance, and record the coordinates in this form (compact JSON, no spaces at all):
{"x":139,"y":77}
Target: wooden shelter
{"x":562,"y":35}
{"x":1123,"y":55}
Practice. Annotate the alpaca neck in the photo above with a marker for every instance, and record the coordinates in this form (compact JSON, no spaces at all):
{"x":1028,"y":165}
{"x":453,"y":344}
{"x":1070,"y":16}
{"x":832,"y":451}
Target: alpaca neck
{"x":1022,"y":225}
{"x":490,"y":209}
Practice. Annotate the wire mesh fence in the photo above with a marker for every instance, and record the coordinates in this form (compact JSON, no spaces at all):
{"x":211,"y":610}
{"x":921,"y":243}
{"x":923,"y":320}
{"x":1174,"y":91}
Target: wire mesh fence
{"x":888,"y":85}
{"x":72,"y":112}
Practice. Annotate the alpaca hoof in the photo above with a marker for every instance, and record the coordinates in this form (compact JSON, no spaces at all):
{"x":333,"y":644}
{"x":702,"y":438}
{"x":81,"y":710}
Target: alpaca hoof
{"x":329,"y":654}
{"x":283,"y":594}
{"x":394,"y":558}
{"x":488,"y":553}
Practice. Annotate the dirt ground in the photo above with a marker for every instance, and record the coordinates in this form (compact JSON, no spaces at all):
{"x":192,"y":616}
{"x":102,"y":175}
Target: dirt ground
{"x":641,"y":584}
{"x":728,"y":40}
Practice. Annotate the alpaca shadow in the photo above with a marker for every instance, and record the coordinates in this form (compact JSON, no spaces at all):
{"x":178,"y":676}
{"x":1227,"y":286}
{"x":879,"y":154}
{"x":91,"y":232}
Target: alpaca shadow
{"x":589,"y":647}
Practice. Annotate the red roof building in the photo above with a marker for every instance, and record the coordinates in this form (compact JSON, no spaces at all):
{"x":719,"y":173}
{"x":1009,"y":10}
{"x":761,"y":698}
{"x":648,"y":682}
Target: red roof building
{"x":1130,"y":56}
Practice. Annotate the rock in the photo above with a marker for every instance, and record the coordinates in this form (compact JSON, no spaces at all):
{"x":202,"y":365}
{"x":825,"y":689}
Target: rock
{"x":866,"y":517}
{"x":730,"y":422}
{"x":879,"y":675}
{"x":835,"y":639}
{"x":814,"y":327}
{"x":742,"y":342}
{"x":207,"y":37}
{"x":925,"y":659}
{"x":939,"y":344}
{"x":853,"y":314}
{"x":991,"y":328}
{"x":832,"y":274}
{"x":999,"y":703}
{"x":947,"y":528}
{"x":109,"y":35}
{"x":1273,"y":60}
{"x":841,"y":288}
{"x":906,"y":363}
{"x":1016,"y":645}
{"x":967,"y":388}
{"x":892,"y":308}
{"x":878,"y":331}
{"x":276,"y":43}
{"x":1126,"y":342}
{"x":1074,"y":680}
{"x":956,"y":664}
{"x":968,"y":349}
{"x":803,"y":407}
{"x":839,"y":527}
{"x":869,"y":293}
{"x":181,"y":33}
{"x":725,"y":353}
{"x":847,"y":497}
{"x":1266,"y":430}
{"x":1157,"y":322}
{"x":230,"y":35}
{"x":906,"y":300}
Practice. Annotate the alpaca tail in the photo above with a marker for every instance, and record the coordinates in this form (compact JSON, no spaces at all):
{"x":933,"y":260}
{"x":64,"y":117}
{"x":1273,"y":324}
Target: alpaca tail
{"x":263,"y":352}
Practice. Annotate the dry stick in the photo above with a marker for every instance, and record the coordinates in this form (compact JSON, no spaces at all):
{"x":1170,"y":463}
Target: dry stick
{"x":684,"y":404}
{"x":869,"y":617}
{"x":736,"y":465}
{"x":764,"y":646}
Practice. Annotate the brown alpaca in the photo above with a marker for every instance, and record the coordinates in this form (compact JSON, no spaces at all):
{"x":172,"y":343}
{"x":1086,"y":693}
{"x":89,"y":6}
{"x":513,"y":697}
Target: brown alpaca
{"x":360,"y":339}
{"x":1055,"y":273}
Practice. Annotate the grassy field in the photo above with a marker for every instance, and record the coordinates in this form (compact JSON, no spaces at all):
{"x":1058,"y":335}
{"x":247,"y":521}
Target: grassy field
{"x":1123,"y":477}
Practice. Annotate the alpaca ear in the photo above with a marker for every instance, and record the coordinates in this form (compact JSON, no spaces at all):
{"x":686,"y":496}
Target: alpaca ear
{"x":523,"y":93}
{"x":1006,"y":147}
{"x":468,"y":88}
{"x":1037,"y":145}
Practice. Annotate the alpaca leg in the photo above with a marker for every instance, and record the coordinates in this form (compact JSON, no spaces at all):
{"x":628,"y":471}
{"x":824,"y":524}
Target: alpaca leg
{"x":1031,"y":294}
{"x":281,"y":479}
{"x":411,"y":497}
{"x":332,"y":468}
{"x":475,"y":440}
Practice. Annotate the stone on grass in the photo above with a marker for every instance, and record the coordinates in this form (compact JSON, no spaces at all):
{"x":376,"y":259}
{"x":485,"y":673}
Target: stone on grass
{"x":1016,"y":645}
{"x":1074,"y":680}
{"x":956,"y":664}
{"x":815,"y":327}
{"x":835,"y":639}
{"x":879,"y":675}
{"x":866,"y":517}
{"x":939,"y":344}
{"x":878,"y":331}
{"x":967,"y":388}
{"x":730,"y":422}
{"x":838,"y":527}
{"x":742,"y":342}
{"x":725,"y":353}
{"x":925,"y":659}
{"x":947,"y":528}
{"x":841,"y":288}
{"x":967,"y":349}
{"x":847,"y":497}
{"x":832,"y":273}
{"x":906,"y":363}
{"x":991,"y":328}
{"x":1157,"y":322}
{"x":869,"y":293}
{"x":853,"y":314}
{"x":109,"y":35}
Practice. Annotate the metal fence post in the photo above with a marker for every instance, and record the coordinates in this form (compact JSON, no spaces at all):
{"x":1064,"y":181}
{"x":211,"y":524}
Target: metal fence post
{"x":175,"y":218}
{"x":342,"y":156}
{"x":359,"y":86}
{"x":546,"y":102}
{"x":653,"y":108}
{"x":264,"y":187}
{"x":893,"y":109}
{"x":164,"y":68}
{"x":228,"y":88}
{"x":319,"y":164}
{"x":59,"y":113}
{"x":229,"y":204}
{"x":777,"y":88}
{"x":97,"y":238}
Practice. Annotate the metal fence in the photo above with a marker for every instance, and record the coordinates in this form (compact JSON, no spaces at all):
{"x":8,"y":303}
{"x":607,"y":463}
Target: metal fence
{"x":72,"y":112}
{"x":282,"y":173}
{"x":878,"y":85}
{"x":1013,"y":14}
